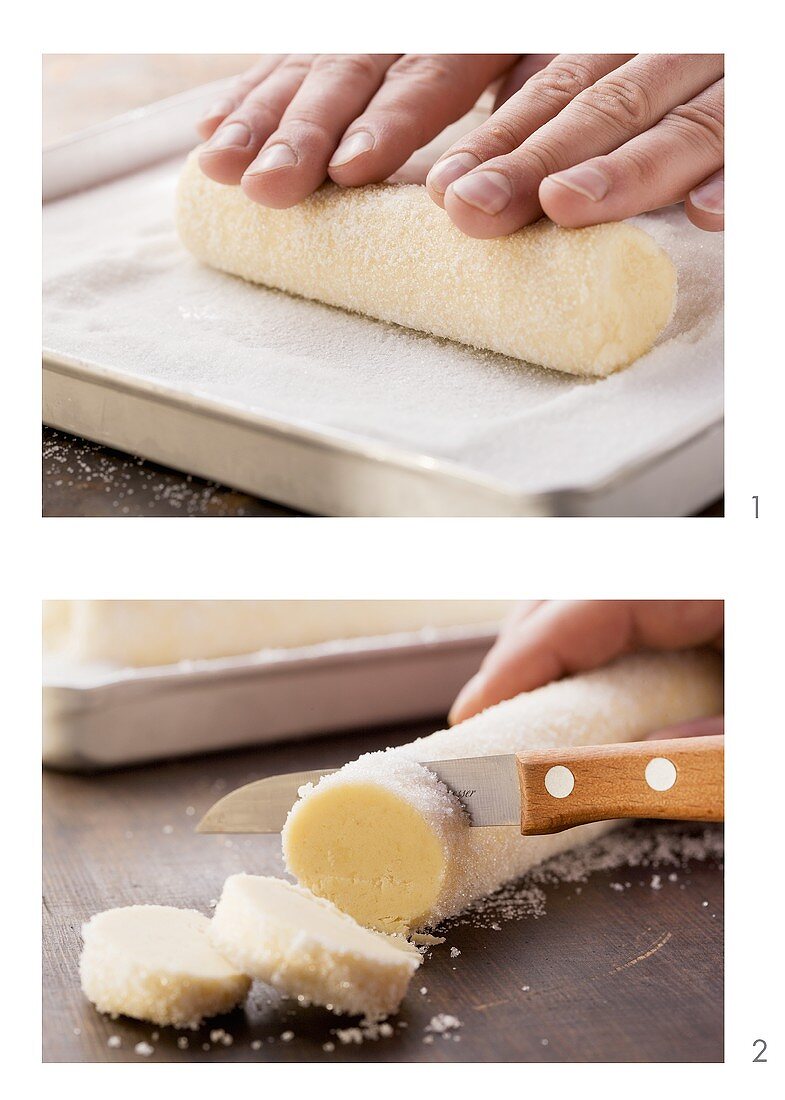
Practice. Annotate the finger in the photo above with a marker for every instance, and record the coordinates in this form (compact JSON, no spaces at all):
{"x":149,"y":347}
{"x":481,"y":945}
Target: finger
{"x":503,"y":194}
{"x":542,"y":97}
{"x":699,"y":727}
{"x":243,"y":132}
{"x":705,"y":204}
{"x":235,"y":93}
{"x":656,"y":169}
{"x":421,"y":94}
{"x":560,"y":638}
{"x":293,"y":162}
{"x":517,"y":76}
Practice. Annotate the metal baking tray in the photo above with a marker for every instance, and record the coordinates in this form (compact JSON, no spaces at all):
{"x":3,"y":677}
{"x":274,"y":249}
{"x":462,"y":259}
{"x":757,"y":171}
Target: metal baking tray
{"x":98,"y":717}
{"x":313,"y":468}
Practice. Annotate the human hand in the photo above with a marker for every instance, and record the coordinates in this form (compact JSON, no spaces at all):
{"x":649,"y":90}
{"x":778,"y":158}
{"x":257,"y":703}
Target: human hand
{"x":590,"y":138}
{"x":544,"y":640}
{"x":293,"y":120}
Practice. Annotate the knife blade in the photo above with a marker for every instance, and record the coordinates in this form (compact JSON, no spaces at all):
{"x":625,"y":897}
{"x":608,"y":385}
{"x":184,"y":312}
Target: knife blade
{"x":539,"y":791}
{"x":486,"y":785}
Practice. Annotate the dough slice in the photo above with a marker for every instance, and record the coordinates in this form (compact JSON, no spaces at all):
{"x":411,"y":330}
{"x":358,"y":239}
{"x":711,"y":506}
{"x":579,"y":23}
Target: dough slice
{"x":305,"y":947}
{"x":156,"y":963}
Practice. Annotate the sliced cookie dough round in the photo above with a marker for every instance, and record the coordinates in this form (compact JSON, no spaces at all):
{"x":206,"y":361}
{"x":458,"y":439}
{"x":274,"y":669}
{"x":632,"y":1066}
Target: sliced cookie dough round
{"x":156,"y":963}
{"x":305,"y":947}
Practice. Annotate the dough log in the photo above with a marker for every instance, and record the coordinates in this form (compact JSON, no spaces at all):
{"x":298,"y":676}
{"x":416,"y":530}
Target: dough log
{"x":385,"y":841}
{"x":160,"y":632}
{"x":584,"y":301}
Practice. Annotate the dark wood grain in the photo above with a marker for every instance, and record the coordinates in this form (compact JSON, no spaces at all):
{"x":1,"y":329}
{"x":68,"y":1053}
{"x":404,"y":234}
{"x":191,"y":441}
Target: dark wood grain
{"x":126,"y":837}
{"x":81,"y":478}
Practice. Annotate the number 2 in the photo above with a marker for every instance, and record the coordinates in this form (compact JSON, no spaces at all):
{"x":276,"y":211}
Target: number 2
{"x":759,"y":1056}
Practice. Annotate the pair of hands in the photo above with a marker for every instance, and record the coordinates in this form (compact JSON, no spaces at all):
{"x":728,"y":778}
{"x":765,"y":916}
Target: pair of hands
{"x":583,"y":138}
{"x":544,"y":640}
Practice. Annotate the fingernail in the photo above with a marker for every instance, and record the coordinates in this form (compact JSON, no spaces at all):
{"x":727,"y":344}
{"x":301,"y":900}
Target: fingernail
{"x":359,"y":142}
{"x":469,"y":693}
{"x":585,"y":180}
{"x":710,"y":196}
{"x":220,"y":109}
{"x":276,"y":156}
{"x":234,"y":136}
{"x":489,"y":191}
{"x":447,"y":171}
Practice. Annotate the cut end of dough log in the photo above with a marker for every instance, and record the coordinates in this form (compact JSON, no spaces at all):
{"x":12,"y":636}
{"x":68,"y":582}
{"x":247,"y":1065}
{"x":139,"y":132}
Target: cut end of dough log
{"x":584,"y":301}
{"x":305,"y":947}
{"x":387,"y":842}
{"x":156,"y":963}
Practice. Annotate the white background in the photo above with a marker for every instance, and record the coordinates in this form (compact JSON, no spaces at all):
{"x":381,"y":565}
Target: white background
{"x":738,"y":559}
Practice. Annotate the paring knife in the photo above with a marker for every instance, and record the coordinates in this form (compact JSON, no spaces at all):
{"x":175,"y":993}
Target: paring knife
{"x":541,"y":791}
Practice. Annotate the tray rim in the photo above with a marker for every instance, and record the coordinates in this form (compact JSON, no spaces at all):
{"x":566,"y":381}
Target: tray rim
{"x":504,"y":500}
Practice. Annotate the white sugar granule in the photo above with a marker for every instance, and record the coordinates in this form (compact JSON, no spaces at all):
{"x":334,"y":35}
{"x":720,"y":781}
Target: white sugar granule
{"x":454,"y":952}
{"x":670,"y":845}
{"x":144,"y":1049}
{"x":114,"y":1041}
{"x":443,"y":1023}
{"x":124,"y":293}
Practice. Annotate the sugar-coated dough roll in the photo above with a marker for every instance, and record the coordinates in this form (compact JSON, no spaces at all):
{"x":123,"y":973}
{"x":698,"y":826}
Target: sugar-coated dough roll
{"x":156,"y":963}
{"x":585,"y":301}
{"x":387,"y":842}
{"x":160,"y":632}
{"x":306,"y":948}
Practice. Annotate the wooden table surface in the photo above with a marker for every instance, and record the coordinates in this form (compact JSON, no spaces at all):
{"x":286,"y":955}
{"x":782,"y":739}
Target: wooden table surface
{"x":633,"y":975}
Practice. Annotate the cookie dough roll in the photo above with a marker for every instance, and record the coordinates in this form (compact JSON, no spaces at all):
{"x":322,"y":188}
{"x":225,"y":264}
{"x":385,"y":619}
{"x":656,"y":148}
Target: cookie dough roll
{"x":584,"y":301}
{"x":385,"y":841}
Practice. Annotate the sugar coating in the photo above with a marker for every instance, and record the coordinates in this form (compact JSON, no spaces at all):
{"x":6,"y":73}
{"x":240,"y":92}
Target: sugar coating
{"x":305,"y":947}
{"x":584,"y":301}
{"x":625,"y":701}
{"x":160,"y":632}
{"x":156,"y":963}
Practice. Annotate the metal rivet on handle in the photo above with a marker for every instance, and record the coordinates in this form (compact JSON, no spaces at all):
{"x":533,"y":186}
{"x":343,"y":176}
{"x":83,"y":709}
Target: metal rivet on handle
{"x":660,"y":774}
{"x":559,"y":781}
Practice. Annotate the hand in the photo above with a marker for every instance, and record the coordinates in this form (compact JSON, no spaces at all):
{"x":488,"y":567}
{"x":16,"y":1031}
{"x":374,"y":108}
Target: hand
{"x":292,"y":121}
{"x":544,"y":640}
{"x":591,"y":138}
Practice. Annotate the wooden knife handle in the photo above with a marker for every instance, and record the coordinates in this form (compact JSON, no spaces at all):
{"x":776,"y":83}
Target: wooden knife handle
{"x":680,"y":778}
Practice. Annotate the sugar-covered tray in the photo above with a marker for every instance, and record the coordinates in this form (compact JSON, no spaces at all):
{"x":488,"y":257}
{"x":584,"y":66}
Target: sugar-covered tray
{"x":100,"y":716}
{"x":332,"y":413}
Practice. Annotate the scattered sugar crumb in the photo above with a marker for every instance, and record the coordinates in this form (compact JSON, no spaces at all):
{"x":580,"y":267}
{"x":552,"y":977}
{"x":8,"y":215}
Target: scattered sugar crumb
{"x":77,"y":1031}
{"x":705,"y":904}
{"x":454,"y":952}
{"x":544,"y":1042}
{"x":190,"y":811}
{"x":443,"y":1023}
{"x":656,"y":882}
{"x":168,"y":829}
{"x":428,"y":1039}
{"x":256,"y":1044}
{"x":329,"y":1047}
{"x":182,"y":1042}
{"x":287,"y":1036}
{"x":144,"y":1049}
{"x":674,"y":846}
{"x":114,"y":1041}
{"x":525,"y":988}
{"x":423,"y":989}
